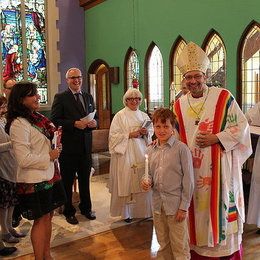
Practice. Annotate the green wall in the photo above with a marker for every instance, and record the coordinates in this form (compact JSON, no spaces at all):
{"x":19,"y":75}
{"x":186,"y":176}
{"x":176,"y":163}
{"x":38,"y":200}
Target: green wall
{"x":109,"y":31}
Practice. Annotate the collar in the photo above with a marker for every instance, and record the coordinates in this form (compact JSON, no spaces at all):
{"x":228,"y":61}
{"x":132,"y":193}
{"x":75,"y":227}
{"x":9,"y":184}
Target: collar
{"x":169,"y":142}
{"x":75,"y":92}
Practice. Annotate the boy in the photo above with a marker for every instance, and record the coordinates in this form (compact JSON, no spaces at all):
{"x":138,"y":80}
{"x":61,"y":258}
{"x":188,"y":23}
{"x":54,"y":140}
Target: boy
{"x":171,"y":178}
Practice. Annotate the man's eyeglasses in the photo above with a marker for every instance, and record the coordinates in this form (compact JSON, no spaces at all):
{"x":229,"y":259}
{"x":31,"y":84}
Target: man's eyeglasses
{"x":134,"y":99}
{"x":75,"y":77}
{"x":196,"y":77}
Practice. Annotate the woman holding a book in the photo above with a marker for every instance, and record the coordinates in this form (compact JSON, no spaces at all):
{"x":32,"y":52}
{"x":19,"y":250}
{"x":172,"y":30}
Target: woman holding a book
{"x":130,"y":133}
{"x":39,"y":186}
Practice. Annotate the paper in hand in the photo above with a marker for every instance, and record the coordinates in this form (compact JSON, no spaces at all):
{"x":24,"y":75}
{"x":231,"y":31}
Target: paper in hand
{"x":89,"y":117}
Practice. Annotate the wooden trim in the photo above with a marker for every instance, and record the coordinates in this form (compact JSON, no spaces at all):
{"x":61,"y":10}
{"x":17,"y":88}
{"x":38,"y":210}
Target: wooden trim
{"x":87,"y":4}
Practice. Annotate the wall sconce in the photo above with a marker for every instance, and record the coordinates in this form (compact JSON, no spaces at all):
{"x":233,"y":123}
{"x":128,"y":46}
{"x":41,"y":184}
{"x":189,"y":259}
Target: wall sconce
{"x":114,"y":75}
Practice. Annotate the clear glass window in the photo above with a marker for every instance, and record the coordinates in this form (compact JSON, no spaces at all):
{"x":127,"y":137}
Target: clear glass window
{"x":216,"y":52}
{"x":177,"y":75}
{"x":155,"y":79}
{"x":251,"y":68}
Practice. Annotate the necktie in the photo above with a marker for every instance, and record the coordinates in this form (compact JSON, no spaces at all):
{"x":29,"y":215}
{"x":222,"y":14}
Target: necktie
{"x":79,"y":104}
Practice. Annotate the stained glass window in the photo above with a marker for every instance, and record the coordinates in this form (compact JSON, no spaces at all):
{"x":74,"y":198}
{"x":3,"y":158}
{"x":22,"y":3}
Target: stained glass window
{"x":23,"y":42}
{"x":251,"y":68}
{"x":216,"y":52}
{"x":132,"y":69}
{"x":177,"y":76}
{"x":155,"y":79}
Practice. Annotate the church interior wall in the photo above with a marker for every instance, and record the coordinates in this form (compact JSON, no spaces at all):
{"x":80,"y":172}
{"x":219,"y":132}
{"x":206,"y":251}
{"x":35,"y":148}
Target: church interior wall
{"x":115,"y":25}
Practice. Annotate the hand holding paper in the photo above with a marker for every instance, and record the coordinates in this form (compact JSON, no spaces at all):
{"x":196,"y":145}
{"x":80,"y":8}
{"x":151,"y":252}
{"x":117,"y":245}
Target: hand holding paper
{"x":89,"y":117}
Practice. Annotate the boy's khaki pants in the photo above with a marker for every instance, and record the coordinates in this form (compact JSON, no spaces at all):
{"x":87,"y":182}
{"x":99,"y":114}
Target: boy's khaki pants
{"x":172,"y":236}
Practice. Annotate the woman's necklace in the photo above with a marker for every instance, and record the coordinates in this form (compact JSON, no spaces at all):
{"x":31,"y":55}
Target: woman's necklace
{"x":200,"y":110}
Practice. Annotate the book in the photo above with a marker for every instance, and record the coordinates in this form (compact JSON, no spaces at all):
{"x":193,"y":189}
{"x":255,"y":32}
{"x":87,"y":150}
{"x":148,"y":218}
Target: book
{"x":56,"y":140}
{"x":146,"y":123}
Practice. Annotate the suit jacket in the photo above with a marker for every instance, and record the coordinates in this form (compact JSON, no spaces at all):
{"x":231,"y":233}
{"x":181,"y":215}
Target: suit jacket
{"x":64,"y":113}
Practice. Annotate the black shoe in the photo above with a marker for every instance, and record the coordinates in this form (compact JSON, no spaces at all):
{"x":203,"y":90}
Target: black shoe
{"x":16,"y":221}
{"x":7,"y":251}
{"x":16,"y":233}
{"x":72,"y":220}
{"x":90,"y":215}
{"x":128,"y":220}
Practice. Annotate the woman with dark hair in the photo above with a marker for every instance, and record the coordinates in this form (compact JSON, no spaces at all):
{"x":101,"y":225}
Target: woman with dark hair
{"x":39,"y":186}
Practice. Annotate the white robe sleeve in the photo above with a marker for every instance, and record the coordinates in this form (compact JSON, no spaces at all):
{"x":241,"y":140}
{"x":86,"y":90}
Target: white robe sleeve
{"x":118,"y":135}
{"x":236,"y":134}
{"x":253,"y":115}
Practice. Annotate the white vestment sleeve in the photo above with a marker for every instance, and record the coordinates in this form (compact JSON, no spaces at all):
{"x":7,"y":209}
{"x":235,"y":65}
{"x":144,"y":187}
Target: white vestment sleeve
{"x":118,"y":135}
{"x":236,"y":132}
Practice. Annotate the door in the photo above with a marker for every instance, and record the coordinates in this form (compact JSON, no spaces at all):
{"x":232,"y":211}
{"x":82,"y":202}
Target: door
{"x":103,"y":96}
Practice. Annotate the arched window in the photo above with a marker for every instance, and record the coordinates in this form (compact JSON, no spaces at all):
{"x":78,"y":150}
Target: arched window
{"x":249,"y":60}
{"x":176,"y":76}
{"x":215,"y":49}
{"x":24,"y":42}
{"x":154,"y":67}
{"x":131,"y":69}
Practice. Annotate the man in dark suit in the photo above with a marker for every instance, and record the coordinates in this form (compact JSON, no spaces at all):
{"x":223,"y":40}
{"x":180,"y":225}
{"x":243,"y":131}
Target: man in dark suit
{"x":68,"y":109}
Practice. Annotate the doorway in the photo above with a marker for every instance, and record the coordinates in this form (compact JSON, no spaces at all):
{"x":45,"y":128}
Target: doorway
{"x":100,"y":88}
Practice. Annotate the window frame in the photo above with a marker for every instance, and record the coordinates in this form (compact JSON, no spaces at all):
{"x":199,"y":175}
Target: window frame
{"x":146,"y":78}
{"x":206,"y":42}
{"x":240,"y":48}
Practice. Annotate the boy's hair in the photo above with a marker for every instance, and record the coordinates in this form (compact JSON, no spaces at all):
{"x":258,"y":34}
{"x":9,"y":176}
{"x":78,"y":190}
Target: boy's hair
{"x":163,"y":114}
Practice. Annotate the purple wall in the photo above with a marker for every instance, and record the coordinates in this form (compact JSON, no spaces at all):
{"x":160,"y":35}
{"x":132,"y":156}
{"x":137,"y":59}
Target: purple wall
{"x":72,"y":38}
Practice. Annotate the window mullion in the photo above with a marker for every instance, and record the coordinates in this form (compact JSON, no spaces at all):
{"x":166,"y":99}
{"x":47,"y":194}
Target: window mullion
{"x":23,"y":27}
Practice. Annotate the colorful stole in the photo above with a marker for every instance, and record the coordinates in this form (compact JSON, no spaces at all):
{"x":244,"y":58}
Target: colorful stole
{"x":215,"y":199}
{"x":223,"y":103}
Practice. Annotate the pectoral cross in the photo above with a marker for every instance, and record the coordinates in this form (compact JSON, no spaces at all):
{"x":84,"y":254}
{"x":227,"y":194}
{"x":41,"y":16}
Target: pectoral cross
{"x":197,"y":121}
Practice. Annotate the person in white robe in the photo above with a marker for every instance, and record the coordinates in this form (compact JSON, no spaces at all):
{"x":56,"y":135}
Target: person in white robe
{"x":213,"y":126}
{"x":253,"y":215}
{"x":130,"y":132}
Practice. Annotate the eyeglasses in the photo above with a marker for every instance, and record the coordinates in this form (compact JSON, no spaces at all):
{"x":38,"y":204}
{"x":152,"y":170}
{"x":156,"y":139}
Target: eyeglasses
{"x":9,"y":88}
{"x":196,"y":77}
{"x":75,"y":77}
{"x":134,"y":99}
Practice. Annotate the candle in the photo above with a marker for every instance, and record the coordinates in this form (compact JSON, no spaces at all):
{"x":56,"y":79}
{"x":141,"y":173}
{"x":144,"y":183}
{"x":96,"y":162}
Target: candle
{"x":146,"y":177}
{"x":145,"y":105}
{"x":172,"y":92}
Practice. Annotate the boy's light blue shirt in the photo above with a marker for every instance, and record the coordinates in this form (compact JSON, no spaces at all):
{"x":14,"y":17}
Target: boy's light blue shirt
{"x":171,"y":170}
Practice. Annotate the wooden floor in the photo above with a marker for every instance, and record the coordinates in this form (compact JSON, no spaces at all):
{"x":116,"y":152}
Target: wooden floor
{"x":127,"y":243}
{"x":135,"y":241}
